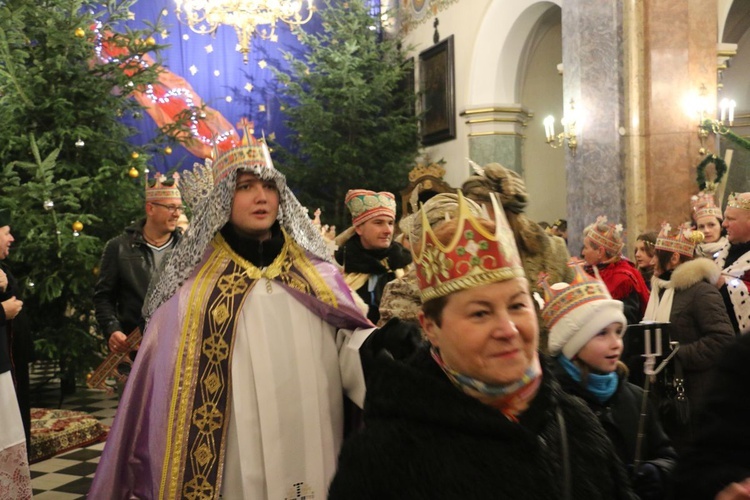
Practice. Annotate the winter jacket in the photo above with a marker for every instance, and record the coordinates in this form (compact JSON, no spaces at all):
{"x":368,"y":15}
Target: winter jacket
{"x":720,"y":453}
{"x":425,"y":439}
{"x":620,"y":417}
{"x":126,"y":268}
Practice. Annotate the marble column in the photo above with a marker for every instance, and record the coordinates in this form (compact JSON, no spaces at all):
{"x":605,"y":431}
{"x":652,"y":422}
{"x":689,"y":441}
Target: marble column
{"x":496,"y":134}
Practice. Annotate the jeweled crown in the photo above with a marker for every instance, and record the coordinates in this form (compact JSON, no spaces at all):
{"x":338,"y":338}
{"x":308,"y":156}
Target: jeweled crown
{"x":161,"y":188}
{"x":704,"y":205}
{"x":606,"y":234}
{"x":583,"y":289}
{"x":737,"y":200}
{"x":473,"y":257}
{"x":250,"y":153}
{"x":683,"y":242}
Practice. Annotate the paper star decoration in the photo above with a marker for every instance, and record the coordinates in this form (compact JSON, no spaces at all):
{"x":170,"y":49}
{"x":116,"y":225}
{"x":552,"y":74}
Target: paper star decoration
{"x":193,"y":70}
{"x":249,"y":87}
{"x":209,"y":48}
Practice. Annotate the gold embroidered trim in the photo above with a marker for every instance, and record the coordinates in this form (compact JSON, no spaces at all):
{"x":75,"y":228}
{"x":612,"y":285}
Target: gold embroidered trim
{"x":459,"y":284}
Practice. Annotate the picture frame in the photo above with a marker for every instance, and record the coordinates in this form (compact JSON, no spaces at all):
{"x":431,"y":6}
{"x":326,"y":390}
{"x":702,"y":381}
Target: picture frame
{"x":437,"y":91}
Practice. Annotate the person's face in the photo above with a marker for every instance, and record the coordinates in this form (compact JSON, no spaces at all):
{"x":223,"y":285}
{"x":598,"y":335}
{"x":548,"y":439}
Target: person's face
{"x":489,"y":332}
{"x":164,"y":214}
{"x":603,"y":351}
{"x":737,"y":224}
{"x":376,"y":233}
{"x":255,"y":206}
{"x":5,"y":240}
{"x":710,"y":226}
{"x":592,"y":255}
{"x":642,"y":258}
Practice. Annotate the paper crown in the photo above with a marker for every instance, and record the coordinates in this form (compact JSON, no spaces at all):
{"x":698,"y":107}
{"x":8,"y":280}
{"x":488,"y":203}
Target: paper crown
{"x":251,"y":153}
{"x":683,"y":242}
{"x":365,"y":205}
{"x":161,"y":188}
{"x":473,"y":257}
{"x":738,"y":200}
{"x":606,"y":234}
{"x":574,"y":313}
{"x":704,"y":205}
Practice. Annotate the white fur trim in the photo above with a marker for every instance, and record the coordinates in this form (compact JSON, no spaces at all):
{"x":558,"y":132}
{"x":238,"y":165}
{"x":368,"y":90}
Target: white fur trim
{"x":694,"y":271}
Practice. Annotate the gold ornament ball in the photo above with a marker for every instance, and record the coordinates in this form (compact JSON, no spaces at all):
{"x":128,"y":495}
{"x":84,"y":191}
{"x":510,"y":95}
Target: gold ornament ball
{"x":134,"y":155}
{"x":133,"y":172}
{"x":168,"y":150}
{"x":80,"y":33}
{"x":78,"y":226}
{"x":150,"y":41}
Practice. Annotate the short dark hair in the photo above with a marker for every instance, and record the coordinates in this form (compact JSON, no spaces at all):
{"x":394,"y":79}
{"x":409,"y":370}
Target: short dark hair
{"x":433,"y":309}
{"x":664,"y":256}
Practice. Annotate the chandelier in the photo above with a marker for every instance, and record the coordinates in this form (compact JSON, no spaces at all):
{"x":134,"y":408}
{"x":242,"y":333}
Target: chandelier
{"x":249,"y":18}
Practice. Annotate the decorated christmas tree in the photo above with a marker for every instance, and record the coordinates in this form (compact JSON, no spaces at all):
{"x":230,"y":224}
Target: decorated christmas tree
{"x":350,"y":109}
{"x":69,"y":175}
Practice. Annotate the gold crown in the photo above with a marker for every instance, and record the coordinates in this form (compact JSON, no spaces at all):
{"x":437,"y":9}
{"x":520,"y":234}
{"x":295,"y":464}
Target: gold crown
{"x":159,"y":188}
{"x":606,"y":234}
{"x":683,"y":242}
{"x":736,"y":200}
{"x":473,"y":257}
{"x":250,"y":153}
{"x":433,"y":169}
{"x":704,"y":205}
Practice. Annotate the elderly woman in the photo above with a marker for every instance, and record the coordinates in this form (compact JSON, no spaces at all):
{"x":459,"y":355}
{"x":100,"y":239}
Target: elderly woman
{"x":475,"y":414}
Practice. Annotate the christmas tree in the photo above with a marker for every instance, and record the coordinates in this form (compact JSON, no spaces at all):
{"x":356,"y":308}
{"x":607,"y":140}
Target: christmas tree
{"x":350,"y":111}
{"x":69,"y":175}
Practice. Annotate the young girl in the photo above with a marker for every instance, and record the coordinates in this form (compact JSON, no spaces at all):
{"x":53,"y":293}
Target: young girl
{"x":586,"y":329}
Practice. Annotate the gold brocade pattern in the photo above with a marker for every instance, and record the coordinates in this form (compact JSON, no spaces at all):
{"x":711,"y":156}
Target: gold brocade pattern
{"x":200,"y":402}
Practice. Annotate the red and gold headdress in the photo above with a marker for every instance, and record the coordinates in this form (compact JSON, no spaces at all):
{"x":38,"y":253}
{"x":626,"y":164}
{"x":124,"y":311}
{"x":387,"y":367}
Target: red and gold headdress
{"x":251,"y":154}
{"x":160,"y":188}
{"x":606,"y":234}
{"x":683,"y":242}
{"x":473,"y":257}
{"x":704,"y":205}
{"x":583,"y":289}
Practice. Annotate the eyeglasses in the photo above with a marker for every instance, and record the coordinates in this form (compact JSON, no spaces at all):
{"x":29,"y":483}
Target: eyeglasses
{"x":172,"y":208}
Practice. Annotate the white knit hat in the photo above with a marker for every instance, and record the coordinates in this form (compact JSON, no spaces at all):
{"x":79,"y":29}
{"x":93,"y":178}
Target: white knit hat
{"x":575,"y":313}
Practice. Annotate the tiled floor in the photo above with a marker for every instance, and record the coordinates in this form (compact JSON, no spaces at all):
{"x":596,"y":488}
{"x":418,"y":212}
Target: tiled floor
{"x":68,"y":476}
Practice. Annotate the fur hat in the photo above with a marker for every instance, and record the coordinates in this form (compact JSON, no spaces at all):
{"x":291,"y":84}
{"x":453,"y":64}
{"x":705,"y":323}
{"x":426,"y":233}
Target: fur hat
{"x":494,"y":178}
{"x":576,"y":312}
{"x":365,"y":205}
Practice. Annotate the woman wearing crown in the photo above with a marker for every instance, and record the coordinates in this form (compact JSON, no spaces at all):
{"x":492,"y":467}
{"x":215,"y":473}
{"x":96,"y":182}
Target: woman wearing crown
{"x":708,"y":219}
{"x":475,"y":414}
{"x":684,"y":294}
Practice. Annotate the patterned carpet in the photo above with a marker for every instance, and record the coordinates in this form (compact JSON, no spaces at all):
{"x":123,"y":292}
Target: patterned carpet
{"x":68,"y":476}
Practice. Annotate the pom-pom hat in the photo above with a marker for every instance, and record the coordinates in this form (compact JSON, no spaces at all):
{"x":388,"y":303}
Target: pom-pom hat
{"x":473,"y":256}
{"x":574,"y":313}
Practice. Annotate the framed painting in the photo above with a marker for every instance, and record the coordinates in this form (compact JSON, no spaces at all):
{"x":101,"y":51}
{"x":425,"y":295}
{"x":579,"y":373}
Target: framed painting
{"x":437,"y":88}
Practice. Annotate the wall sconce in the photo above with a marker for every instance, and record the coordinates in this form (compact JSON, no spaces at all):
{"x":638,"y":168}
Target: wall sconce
{"x":568,"y":135}
{"x":708,"y":125}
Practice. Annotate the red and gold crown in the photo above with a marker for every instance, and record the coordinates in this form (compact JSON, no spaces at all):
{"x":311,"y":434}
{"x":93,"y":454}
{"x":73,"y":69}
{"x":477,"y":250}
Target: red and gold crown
{"x":683,"y":242}
{"x":739,"y":200}
{"x":473,"y":257}
{"x":249,"y":154}
{"x":704,"y":205}
{"x":561,"y":298}
{"x":606,"y":234}
{"x":160,"y":188}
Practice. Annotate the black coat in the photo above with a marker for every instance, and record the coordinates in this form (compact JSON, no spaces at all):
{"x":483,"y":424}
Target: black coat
{"x":620,"y":417}
{"x":720,"y":453}
{"x":425,"y":439}
{"x":126,"y":268}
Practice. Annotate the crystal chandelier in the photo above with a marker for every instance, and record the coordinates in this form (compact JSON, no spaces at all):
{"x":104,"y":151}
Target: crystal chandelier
{"x":248,"y":17}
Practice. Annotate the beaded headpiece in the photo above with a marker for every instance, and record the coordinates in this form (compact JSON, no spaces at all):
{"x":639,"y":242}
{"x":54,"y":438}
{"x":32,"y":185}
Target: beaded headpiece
{"x":683,"y":242}
{"x":473,"y":257}
{"x":606,"y":234}
{"x":365,"y":205}
{"x":161,"y":188}
{"x":704,"y":205}
{"x":737,"y":200}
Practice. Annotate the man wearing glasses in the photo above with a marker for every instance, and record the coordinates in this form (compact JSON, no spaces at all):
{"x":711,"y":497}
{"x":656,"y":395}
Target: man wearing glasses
{"x":131,"y":259}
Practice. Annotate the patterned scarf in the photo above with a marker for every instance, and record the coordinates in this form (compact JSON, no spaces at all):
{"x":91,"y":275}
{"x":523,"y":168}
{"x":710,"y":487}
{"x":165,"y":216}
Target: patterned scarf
{"x":601,"y":386}
{"x":511,"y":399}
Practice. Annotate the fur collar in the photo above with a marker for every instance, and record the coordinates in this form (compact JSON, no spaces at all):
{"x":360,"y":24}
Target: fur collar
{"x":692,"y":272}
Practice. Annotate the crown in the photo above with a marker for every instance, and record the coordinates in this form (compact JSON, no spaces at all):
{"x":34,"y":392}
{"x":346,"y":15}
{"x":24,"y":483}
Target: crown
{"x":704,"y":205}
{"x":737,"y":200}
{"x":431,"y":169}
{"x":365,"y":205}
{"x":196,"y":184}
{"x":560,"y":299}
{"x":683,"y":242}
{"x":606,"y":234}
{"x":250,"y":153}
{"x":473,"y":257}
{"x":160,"y":188}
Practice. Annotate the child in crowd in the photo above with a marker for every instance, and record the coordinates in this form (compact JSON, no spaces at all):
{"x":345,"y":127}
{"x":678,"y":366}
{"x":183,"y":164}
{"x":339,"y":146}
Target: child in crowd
{"x":586,"y":329}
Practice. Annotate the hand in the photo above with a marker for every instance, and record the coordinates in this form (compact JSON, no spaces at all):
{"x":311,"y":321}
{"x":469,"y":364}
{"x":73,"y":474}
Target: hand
{"x":12,"y":307}
{"x":735,"y":491}
{"x":3,"y":280}
{"x":721,"y":281}
{"x":118,"y":342}
{"x":647,"y":482}
{"x":395,"y":340}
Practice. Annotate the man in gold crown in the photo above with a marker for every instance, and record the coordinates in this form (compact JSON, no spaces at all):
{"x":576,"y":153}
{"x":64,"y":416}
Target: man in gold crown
{"x":734,"y":261}
{"x":131,"y":259}
{"x":252,"y":340}
{"x":370,"y":257}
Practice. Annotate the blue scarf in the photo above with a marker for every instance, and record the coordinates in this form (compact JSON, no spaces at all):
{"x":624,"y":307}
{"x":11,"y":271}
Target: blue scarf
{"x":601,"y":386}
